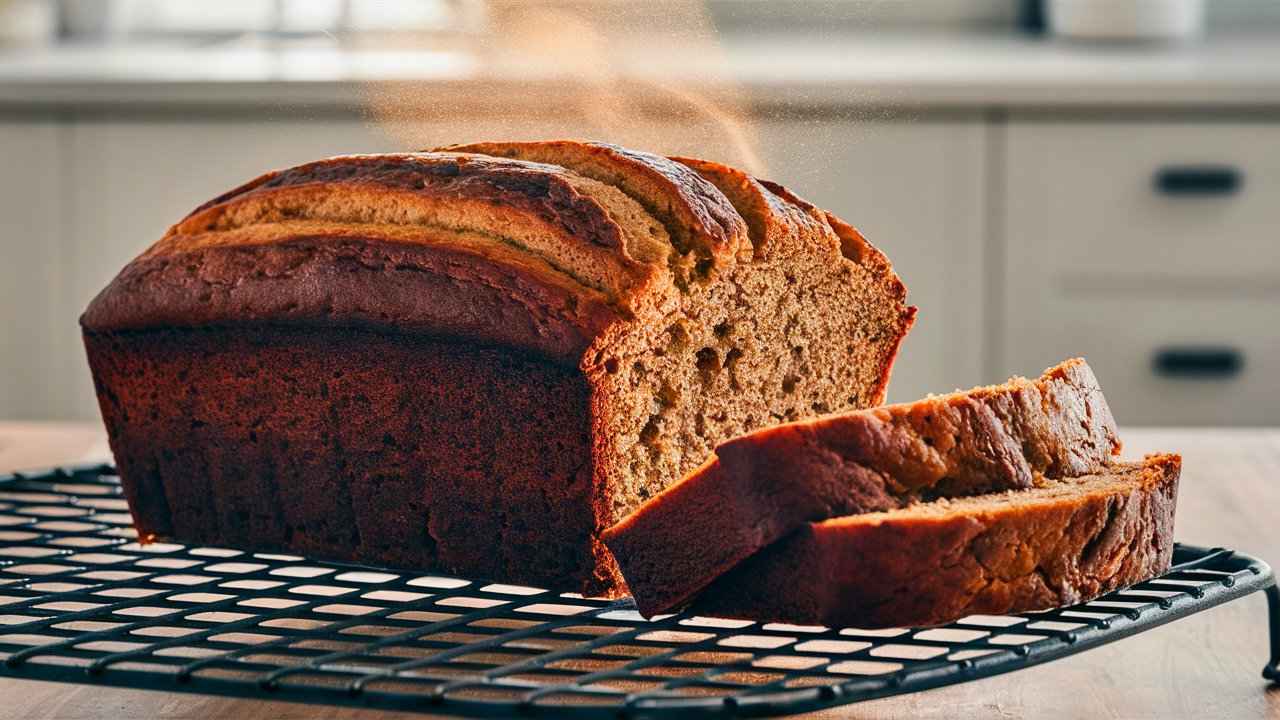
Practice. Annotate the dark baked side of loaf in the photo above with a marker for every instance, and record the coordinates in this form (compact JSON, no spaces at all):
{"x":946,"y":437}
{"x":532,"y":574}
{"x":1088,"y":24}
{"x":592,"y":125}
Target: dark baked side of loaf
{"x":468,"y":362}
{"x":352,"y":444}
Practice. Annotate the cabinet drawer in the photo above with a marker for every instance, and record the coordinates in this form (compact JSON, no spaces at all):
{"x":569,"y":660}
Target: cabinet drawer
{"x":1137,"y":203}
{"x":1151,"y":249}
{"x":1161,"y":359}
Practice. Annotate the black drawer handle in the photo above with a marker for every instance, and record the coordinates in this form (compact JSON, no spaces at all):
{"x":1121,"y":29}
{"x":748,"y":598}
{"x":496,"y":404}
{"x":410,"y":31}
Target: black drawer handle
{"x":1199,"y":180}
{"x":1195,"y":363}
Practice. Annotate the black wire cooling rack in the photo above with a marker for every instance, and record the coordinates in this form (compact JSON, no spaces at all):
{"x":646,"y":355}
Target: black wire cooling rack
{"x":81,"y":601}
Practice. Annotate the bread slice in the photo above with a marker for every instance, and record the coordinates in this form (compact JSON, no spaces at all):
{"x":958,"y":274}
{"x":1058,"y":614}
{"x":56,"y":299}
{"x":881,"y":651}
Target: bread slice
{"x":1062,"y":543}
{"x":763,"y":485}
{"x":475,"y":360}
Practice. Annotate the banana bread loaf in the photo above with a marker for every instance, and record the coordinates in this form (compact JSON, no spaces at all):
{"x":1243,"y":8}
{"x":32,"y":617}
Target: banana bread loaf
{"x":476,"y":359}
{"x":765,"y":484}
{"x":1061,"y":543}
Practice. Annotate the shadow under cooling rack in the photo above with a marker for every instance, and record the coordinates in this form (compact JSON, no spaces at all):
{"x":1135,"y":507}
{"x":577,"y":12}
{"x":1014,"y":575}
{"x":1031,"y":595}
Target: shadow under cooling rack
{"x":81,"y":601}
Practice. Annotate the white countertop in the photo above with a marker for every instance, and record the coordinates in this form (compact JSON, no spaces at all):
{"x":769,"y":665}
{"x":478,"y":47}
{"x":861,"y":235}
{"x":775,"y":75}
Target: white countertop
{"x":924,"y":69}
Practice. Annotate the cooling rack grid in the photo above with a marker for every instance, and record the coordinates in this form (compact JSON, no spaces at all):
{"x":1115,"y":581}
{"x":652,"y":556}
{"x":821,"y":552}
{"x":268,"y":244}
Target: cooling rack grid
{"x":81,"y":601}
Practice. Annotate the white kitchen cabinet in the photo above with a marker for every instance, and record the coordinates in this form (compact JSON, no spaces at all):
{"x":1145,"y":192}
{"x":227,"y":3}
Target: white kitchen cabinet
{"x":1174,"y":297}
{"x":916,"y":190}
{"x":33,"y":205}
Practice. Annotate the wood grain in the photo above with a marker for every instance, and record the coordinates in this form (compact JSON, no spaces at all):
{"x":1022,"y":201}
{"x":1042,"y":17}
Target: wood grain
{"x":1206,"y":666}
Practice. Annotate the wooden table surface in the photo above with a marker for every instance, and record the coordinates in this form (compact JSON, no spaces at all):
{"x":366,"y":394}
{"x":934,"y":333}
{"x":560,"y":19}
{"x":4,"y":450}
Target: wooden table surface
{"x":1206,"y":666}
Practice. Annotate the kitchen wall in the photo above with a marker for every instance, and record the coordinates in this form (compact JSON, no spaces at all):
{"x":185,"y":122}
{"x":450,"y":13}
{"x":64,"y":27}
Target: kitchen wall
{"x":1041,"y":198}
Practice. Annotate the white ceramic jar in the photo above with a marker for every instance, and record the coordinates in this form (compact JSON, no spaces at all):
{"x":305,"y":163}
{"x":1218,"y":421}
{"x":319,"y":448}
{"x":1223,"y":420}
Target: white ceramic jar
{"x":1126,"y":19}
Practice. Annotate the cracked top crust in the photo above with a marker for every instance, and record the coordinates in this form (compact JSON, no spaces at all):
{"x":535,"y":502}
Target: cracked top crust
{"x":539,"y":246}
{"x":506,"y":251}
{"x":702,"y":223}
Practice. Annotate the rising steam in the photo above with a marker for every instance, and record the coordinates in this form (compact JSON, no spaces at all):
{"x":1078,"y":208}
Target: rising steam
{"x":586,"y":70}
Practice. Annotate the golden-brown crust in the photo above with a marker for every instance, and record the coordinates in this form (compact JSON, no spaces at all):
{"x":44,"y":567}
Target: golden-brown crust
{"x":776,"y":227}
{"x":574,"y":253}
{"x":579,"y":227}
{"x":933,"y":563}
{"x":356,"y":282}
{"x":765,"y":484}
{"x":701,"y":221}
{"x":544,"y":191}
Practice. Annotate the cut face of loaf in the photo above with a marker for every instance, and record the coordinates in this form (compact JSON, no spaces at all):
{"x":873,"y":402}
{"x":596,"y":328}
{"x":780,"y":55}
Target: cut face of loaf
{"x":1061,"y":543}
{"x":763,"y":485}
{"x":473,"y":360}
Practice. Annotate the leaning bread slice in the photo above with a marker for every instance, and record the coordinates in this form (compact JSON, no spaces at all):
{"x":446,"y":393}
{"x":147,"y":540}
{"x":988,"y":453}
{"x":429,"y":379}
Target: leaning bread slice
{"x":760,"y":486}
{"x":1059,"y":544}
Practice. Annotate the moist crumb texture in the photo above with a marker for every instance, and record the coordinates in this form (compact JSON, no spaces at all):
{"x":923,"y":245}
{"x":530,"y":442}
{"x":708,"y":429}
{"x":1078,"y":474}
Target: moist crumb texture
{"x":1059,"y":544}
{"x":476,"y":359}
{"x":765,"y":484}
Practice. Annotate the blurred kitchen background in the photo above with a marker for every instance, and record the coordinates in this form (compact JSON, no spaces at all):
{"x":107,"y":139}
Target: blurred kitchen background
{"x":1094,"y":177}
